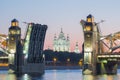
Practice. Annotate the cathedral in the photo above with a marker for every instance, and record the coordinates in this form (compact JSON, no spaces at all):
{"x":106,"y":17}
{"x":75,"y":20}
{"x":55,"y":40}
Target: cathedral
{"x":61,"y":43}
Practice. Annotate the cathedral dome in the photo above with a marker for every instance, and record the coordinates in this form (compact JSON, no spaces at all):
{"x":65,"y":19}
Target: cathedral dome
{"x":61,"y":43}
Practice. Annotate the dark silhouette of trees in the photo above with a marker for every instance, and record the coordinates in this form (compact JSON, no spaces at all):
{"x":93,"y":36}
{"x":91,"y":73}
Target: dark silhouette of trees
{"x":63,"y":57}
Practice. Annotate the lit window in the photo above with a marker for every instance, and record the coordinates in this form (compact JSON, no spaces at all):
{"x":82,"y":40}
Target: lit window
{"x":12,"y":38}
{"x":88,"y":28}
{"x":18,"y":32}
{"x":16,"y":24}
{"x":13,"y":23}
{"x":12,"y":32}
{"x":88,"y":35}
{"x":89,"y":20}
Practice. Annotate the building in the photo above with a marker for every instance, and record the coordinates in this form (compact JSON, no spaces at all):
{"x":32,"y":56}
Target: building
{"x":14,"y":36}
{"x":61,"y":43}
{"x":76,"y":50}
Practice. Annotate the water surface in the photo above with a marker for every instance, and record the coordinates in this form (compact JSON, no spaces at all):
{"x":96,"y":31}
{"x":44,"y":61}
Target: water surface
{"x":58,"y":75}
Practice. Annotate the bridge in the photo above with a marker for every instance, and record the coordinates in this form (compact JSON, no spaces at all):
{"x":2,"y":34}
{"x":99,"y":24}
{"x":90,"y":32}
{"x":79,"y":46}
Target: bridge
{"x":101,"y":52}
{"x":3,"y":43}
{"x":3,"y":50}
{"x":23,"y":55}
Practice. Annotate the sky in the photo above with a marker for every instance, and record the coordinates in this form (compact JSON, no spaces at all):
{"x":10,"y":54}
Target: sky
{"x":59,"y":14}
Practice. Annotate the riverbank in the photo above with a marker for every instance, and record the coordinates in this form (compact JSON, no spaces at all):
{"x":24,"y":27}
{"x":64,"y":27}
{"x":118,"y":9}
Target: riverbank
{"x":50,"y":67}
{"x":61,"y":67}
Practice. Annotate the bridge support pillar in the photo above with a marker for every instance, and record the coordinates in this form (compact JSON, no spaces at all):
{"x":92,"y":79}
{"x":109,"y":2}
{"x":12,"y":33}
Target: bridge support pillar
{"x":87,"y":69}
{"x":107,"y":68}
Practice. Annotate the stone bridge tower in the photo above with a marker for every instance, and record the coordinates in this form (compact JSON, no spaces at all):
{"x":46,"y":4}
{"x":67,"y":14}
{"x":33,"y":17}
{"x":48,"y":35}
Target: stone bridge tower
{"x":91,"y":37}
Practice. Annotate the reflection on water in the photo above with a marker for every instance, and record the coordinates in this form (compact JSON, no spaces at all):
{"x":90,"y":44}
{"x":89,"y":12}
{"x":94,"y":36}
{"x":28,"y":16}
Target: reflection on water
{"x":25,"y":77}
{"x":58,"y":75}
{"x":88,"y":77}
{"x":101,"y":77}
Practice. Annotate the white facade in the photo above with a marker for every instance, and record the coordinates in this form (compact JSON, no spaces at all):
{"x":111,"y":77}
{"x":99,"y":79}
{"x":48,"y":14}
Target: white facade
{"x":61,"y":43}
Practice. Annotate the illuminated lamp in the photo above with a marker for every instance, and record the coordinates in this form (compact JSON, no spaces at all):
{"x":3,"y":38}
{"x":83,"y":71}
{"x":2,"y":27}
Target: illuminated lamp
{"x":54,"y":59}
{"x":68,"y":60}
{"x":104,"y":61}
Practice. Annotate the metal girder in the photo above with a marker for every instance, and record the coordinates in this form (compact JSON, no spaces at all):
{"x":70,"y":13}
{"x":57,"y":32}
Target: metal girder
{"x":111,"y":38}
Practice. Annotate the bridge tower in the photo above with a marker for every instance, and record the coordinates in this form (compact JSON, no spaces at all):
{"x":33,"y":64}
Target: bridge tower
{"x":14,"y":38}
{"x":91,"y":37}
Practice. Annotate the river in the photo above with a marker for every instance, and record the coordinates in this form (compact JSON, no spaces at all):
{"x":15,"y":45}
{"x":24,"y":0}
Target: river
{"x":59,"y":75}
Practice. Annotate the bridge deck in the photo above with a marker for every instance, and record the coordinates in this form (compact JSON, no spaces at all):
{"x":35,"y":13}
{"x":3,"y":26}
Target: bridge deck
{"x":109,"y":57}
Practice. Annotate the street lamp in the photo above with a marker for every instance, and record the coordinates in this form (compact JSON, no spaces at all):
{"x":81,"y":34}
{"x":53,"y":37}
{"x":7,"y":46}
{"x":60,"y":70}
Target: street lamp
{"x":54,"y":59}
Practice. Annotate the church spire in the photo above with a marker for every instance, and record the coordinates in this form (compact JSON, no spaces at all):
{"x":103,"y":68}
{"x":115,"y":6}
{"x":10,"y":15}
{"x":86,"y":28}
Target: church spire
{"x":55,"y":37}
{"x":68,"y":37}
{"x":77,"y":48}
{"x":61,"y":30}
{"x":77,"y":44}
